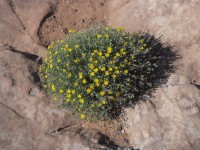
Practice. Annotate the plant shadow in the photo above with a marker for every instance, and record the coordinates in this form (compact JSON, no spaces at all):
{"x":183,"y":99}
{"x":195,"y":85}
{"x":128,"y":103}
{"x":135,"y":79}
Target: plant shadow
{"x":156,"y":67}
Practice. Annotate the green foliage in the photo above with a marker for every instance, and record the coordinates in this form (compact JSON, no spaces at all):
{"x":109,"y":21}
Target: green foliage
{"x":98,"y":70}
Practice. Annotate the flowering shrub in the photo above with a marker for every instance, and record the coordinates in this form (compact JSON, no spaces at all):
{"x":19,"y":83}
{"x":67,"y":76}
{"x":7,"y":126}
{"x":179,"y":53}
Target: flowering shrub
{"x":97,"y":71}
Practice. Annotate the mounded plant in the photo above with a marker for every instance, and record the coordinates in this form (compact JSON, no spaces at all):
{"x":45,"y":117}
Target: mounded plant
{"x":97,"y":71}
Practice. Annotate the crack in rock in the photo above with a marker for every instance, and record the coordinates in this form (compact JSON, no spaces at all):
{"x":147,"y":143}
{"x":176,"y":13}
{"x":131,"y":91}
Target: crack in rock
{"x":17,"y":113}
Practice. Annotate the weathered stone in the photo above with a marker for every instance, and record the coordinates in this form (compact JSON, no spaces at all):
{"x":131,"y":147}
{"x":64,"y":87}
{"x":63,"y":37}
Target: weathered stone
{"x":171,"y":119}
{"x":27,"y":117}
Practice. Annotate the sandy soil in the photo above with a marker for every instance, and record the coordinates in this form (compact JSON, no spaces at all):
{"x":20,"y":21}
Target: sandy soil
{"x":72,"y":14}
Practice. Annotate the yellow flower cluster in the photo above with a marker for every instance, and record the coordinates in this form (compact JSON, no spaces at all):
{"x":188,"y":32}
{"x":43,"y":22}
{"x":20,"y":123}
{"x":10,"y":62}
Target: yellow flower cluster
{"x":86,"y":77}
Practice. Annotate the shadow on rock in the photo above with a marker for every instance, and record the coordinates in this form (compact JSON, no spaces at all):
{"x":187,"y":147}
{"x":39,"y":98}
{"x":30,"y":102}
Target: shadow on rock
{"x":150,"y":69}
{"x":98,"y":140}
{"x":34,"y":58}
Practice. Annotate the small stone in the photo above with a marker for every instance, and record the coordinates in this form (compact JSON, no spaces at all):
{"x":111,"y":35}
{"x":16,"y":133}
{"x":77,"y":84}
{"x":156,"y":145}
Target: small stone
{"x":33,"y":92}
{"x":123,"y":131}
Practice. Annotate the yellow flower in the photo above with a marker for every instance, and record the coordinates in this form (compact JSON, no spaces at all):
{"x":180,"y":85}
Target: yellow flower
{"x":95,"y":51}
{"x":81,"y":100}
{"x":97,"y":84}
{"x":109,"y":50}
{"x":84,"y":81}
{"x":69,"y":75}
{"x":121,"y":50}
{"x":79,"y":95}
{"x":110,"y":69}
{"x":46,"y":76}
{"x":66,"y":46}
{"x":69,"y":49}
{"x":141,"y":40}
{"x":64,"y":70}
{"x":82,"y":116}
{"x":122,"y":65}
{"x":107,"y":28}
{"x":117,"y":71}
{"x":66,"y":64}
{"x":75,"y":84}
{"x":106,"y":73}
{"x":117,"y":94}
{"x":67,"y":100}
{"x":51,"y":66}
{"x":73,"y":91}
{"x":52,"y":43}
{"x":107,"y":54}
{"x":120,"y":29}
{"x":95,"y":61}
{"x":76,"y":60}
{"x":58,"y":60}
{"x":117,"y":54}
{"x":56,"y":52}
{"x":91,"y":59}
{"x":68,"y":95}
{"x":76,"y":46}
{"x":68,"y":91}
{"x":114,"y":76}
{"x":80,"y":75}
{"x":53,"y":88}
{"x":88,"y":90}
{"x":91,"y":66}
{"x":96,"y":70}
{"x":99,"y":105}
{"x":124,"y":53}
{"x":102,"y":93}
{"x":107,"y":36}
{"x":54,"y":98}
{"x":96,"y":80}
{"x":103,"y":102}
{"x":145,"y":45}
{"x":71,"y":31}
{"x":92,"y":54}
{"x":103,"y":69}
{"x":60,"y":91}
{"x":99,"y":53}
{"x":98,"y":36}
{"x":92,"y":74}
{"x":126,"y":71}
{"x":92,"y":86}
{"x":106,"y":82}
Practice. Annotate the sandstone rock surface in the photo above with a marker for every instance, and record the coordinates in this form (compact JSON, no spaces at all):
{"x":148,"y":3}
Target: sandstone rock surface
{"x":27,"y":118}
{"x":170,"y":120}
